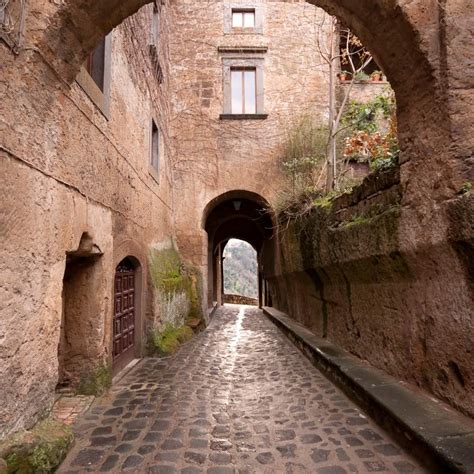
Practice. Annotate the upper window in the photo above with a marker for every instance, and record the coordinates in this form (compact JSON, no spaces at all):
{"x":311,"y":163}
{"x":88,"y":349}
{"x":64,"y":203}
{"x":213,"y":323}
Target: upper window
{"x":95,"y":65}
{"x":94,"y":76}
{"x":155,"y":147}
{"x":155,"y":26}
{"x":243,"y":18}
{"x":242,"y":86}
{"x":244,"y":90}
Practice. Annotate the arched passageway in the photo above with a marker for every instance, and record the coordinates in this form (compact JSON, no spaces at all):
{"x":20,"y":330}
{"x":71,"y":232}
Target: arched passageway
{"x":416,"y":44}
{"x":235,"y":215}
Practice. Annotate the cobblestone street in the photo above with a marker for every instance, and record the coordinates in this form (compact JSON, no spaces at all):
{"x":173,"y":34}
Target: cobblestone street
{"x":238,"y":398}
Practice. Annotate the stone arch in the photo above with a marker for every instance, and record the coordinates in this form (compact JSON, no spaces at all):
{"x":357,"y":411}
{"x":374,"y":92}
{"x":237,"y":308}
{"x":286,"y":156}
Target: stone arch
{"x":238,"y":214}
{"x":235,"y":194}
{"x":77,"y":356}
{"x":389,"y":30}
{"x":404,"y":37}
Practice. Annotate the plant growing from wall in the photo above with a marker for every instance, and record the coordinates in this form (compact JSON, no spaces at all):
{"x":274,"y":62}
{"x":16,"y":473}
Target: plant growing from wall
{"x":343,"y":50}
{"x":97,"y":381}
{"x":354,"y":58}
{"x":303,"y":151}
{"x":372,"y":132}
{"x":175,"y":301}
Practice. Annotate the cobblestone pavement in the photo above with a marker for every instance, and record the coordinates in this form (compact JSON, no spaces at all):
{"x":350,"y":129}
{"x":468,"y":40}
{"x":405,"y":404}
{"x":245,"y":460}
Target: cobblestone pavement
{"x":238,"y":398}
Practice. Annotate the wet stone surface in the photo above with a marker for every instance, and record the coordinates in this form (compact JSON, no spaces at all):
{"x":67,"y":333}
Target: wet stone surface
{"x":238,"y":398}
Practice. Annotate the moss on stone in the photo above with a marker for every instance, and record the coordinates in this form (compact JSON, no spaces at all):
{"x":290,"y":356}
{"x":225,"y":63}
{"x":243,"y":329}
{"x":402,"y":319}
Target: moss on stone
{"x":96,"y":382}
{"x":171,"y":277}
{"x":466,"y":188}
{"x":325,"y":202}
{"x":167,"y":341}
{"x":39,"y":450}
{"x":357,"y":219}
{"x":193,"y":291}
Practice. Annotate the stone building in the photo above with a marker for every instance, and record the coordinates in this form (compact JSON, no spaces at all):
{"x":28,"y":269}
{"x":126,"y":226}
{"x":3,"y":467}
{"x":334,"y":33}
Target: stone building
{"x":210,"y":139}
{"x":125,"y":159}
{"x":112,"y":147}
{"x":84,"y":161}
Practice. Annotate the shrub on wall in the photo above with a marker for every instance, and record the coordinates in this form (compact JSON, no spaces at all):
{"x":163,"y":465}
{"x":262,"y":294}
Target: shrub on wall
{"x":175,"y":301}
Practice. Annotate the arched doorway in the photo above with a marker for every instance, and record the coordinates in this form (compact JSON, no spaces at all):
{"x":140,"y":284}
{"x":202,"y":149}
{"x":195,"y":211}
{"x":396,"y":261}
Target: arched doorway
{"x":126,"y":313}
{"x":77,"y":354}
{"x":241,"y":215}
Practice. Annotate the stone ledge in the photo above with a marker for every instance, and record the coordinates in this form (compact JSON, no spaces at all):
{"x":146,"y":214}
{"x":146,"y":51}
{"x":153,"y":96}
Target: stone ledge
{"x":440,"y":437}
{"x":243,"y":116}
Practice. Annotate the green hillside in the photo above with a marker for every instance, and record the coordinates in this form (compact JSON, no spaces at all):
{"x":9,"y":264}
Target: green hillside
{"x":240,"y":269}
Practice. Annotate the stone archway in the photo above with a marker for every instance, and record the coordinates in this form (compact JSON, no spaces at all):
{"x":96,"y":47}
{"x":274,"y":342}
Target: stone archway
{"x":410,"y":41}
{"x":79,"y":321}
{"x":237,"y":214}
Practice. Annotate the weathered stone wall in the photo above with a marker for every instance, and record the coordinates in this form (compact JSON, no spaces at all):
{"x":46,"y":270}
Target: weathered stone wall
{"x":67,"y":170}
{"x":346,"y":274}
{"x":212,"y":156}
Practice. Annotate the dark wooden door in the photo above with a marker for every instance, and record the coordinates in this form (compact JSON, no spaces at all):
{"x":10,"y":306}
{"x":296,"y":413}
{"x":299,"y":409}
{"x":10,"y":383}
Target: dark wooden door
{"x":124,"y":315}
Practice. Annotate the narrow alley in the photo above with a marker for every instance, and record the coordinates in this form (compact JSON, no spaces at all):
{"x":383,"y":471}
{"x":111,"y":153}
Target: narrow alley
{"x":238,"y":398}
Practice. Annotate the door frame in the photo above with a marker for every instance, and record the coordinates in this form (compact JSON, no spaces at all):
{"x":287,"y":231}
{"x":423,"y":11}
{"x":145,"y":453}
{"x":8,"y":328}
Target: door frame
{"x":128,"y":252}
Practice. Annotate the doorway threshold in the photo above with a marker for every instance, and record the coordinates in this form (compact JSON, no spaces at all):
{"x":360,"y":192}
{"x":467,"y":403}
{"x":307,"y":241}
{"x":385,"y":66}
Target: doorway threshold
{"x":125,"y":371}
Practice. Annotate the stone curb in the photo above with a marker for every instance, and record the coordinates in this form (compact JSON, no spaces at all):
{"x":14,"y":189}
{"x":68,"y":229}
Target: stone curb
{"x":437,"y":435}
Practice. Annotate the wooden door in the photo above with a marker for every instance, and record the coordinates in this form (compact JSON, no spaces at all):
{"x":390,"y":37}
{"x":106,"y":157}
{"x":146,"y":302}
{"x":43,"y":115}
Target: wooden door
{"x":124,"y":315}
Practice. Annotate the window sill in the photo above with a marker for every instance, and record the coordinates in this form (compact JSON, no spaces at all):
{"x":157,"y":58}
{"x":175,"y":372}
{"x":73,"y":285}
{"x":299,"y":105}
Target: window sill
{"x":90,"y":88}
{"x":348,"y":81}
{"x":243,"y":116}
{"x":154,"y":174}
{"x":245,"y":31}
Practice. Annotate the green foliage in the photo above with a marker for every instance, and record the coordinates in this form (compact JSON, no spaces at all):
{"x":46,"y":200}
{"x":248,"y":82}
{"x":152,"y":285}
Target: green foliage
{"x":166,"y":270}
{"x":466,"y":188}
{"x":357,"y":219}
{"x":176,"y":300}
{"x":362,"y":76}
{"x":366,"y":140}
{"x":374,"y":213}
{"x":240,"y":269}
{"x":326,"y":201}
{"x":168,"y":340}
{"x":304,"y":150}
{"x":39,"y":450}
{"x":96,"y":382}
{"x":382,"y":163}
{"x":363,"y":116}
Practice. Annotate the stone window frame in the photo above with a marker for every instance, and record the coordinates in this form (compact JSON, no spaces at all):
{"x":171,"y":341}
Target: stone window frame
{"x":258,"y":28}
{"x":242,"y":59}
{"x":101,"y":99}
{"x":152,"y":171}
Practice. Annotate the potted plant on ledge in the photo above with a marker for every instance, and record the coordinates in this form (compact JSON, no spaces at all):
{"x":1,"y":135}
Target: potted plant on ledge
{"x":376,"y":76}
{"x":344,"y":76}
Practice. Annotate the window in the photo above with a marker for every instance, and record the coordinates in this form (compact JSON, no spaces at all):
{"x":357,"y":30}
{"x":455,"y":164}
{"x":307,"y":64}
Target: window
{"x":243,"y":18}
{"x":155,"y":27}
{"x":243,"y":85}
{"x":154,"y":41}
{"x":95,"y":65}
{"x":155,"y":147}
{"x":94,"y":76}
